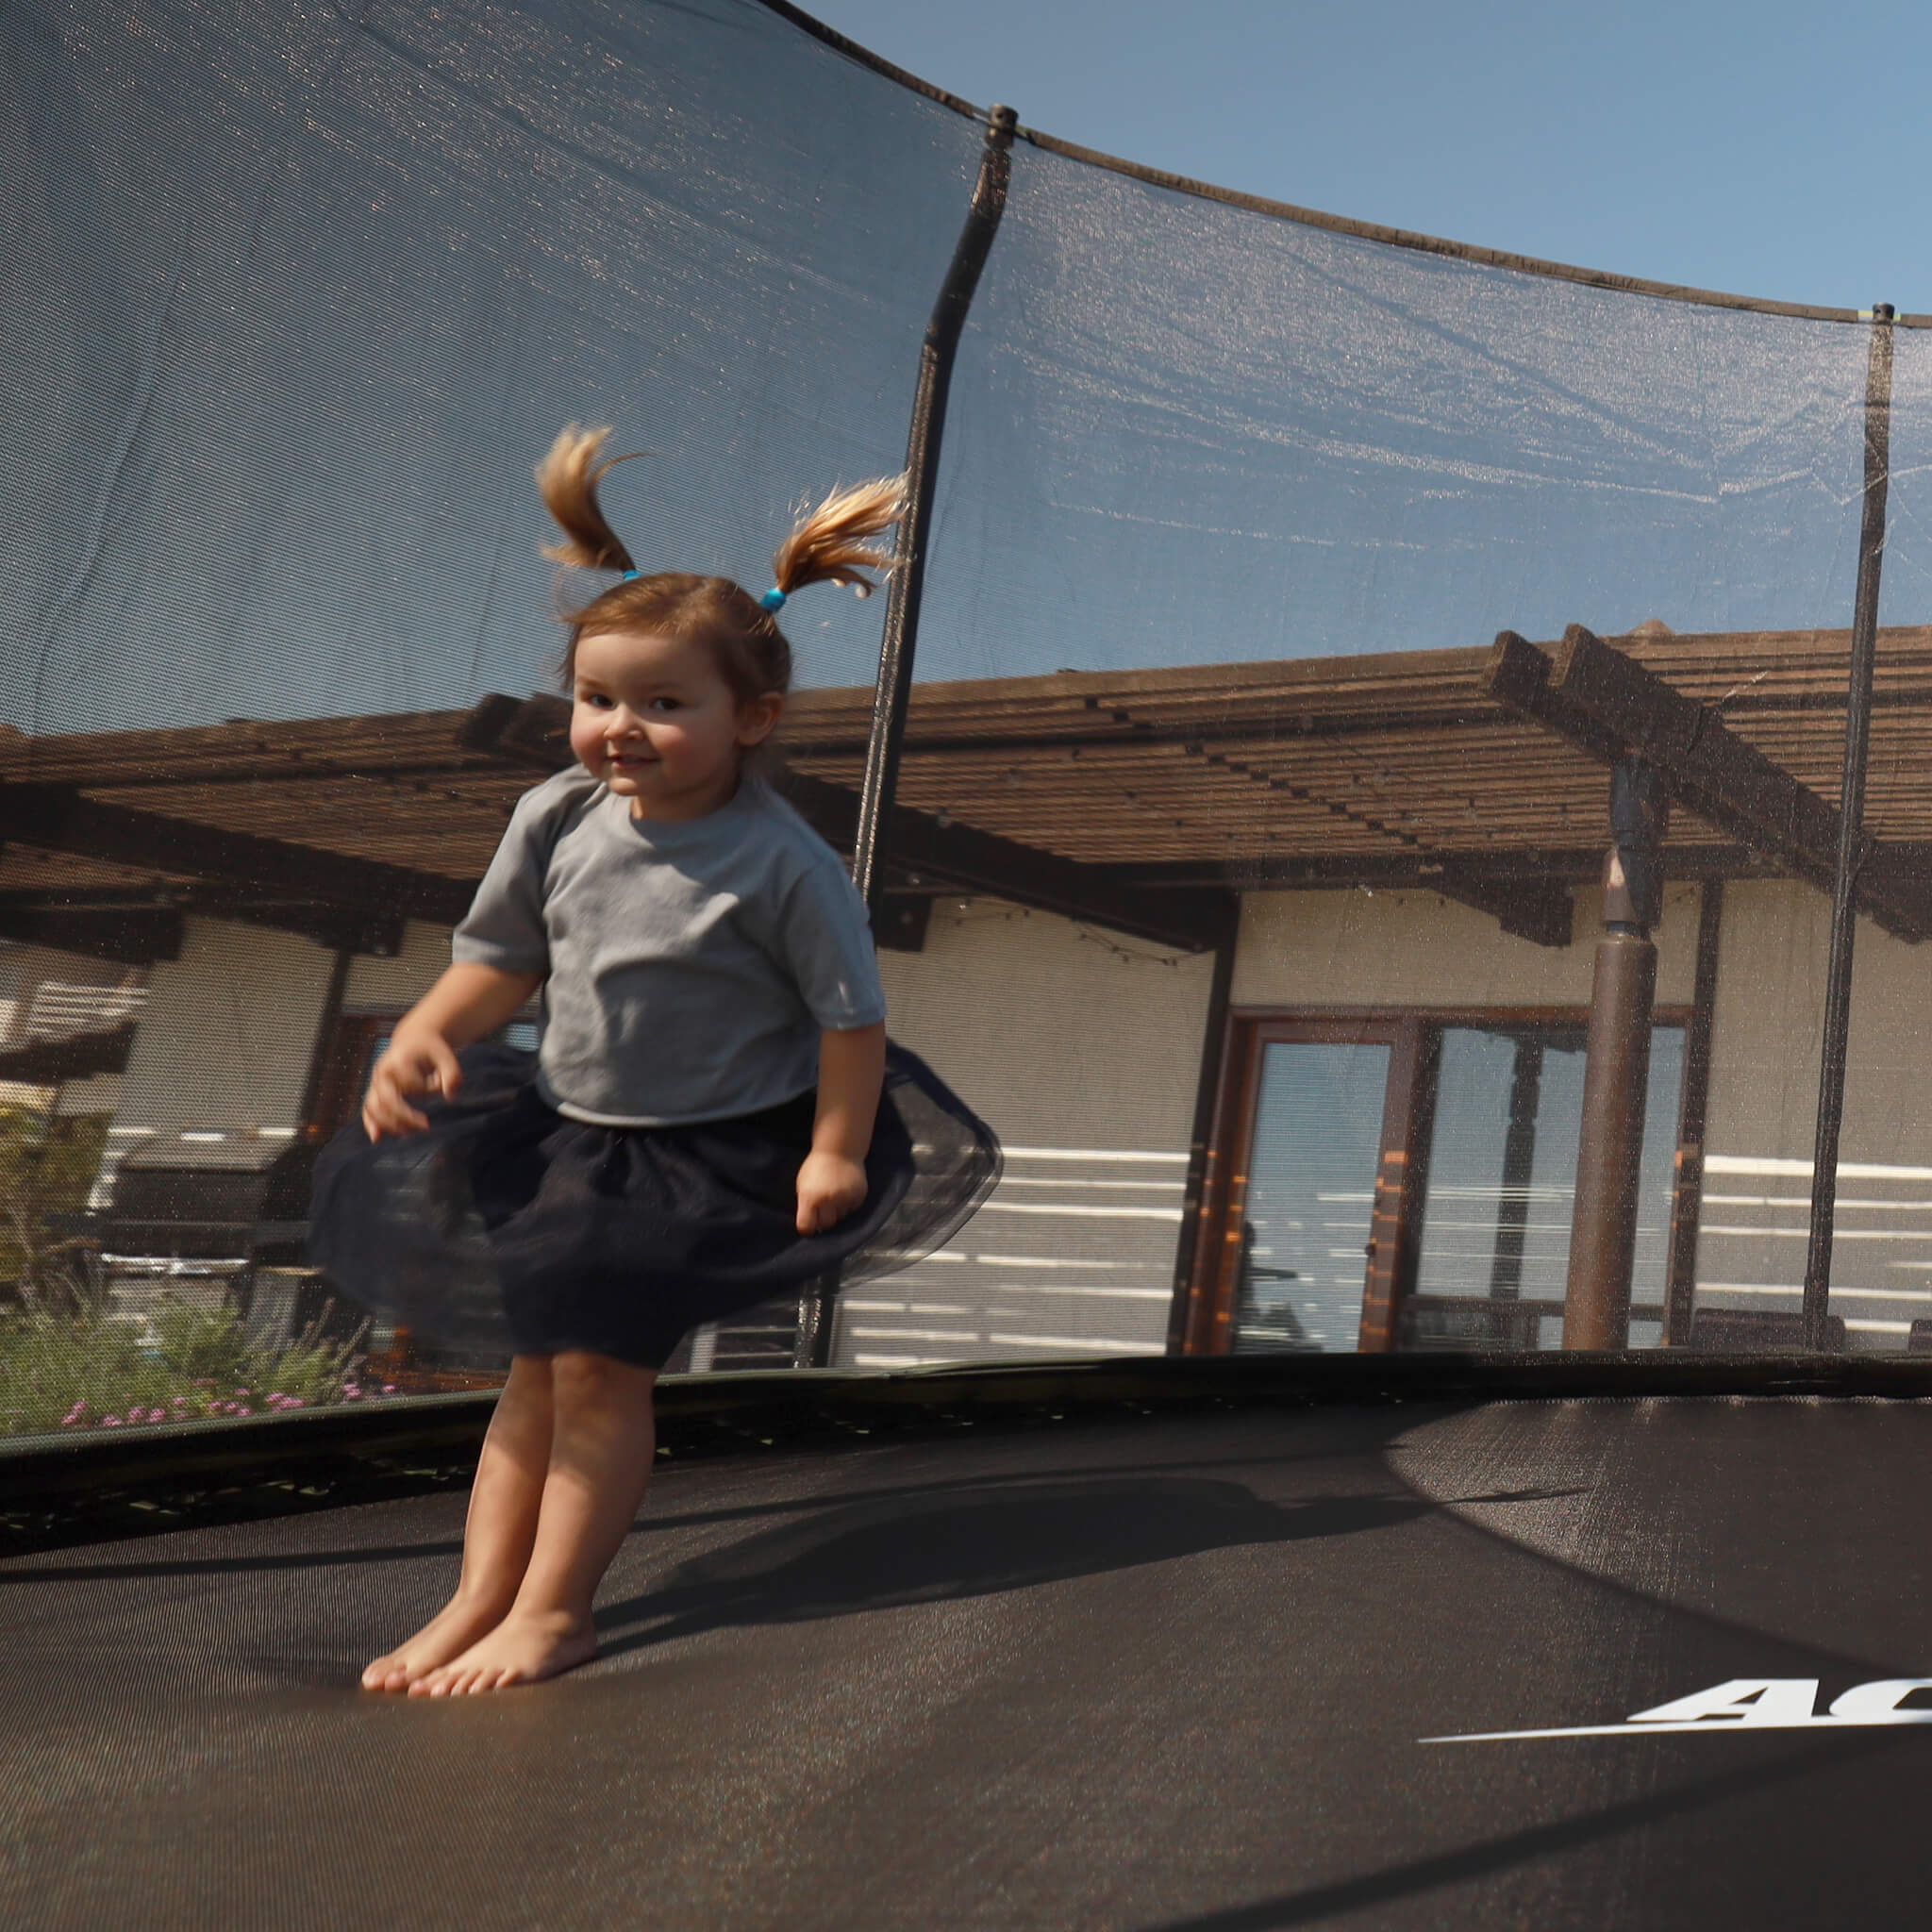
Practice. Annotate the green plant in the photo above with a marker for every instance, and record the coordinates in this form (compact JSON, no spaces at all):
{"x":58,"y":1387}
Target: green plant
{"x":47,"y":1168}
{"x":88,"y":1368}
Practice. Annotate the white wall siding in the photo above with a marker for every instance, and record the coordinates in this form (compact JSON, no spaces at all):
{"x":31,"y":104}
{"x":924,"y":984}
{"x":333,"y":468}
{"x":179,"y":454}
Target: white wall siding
{"x":45,"y":995}
{"x":1764,"y":1112}
{"x":1083,"y":1051}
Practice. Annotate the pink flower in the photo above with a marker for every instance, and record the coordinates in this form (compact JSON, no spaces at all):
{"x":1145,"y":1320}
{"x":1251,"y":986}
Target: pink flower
{"x":110,"y":1421}
{"x":245,"y":1411}
{"x":389,"y":1388}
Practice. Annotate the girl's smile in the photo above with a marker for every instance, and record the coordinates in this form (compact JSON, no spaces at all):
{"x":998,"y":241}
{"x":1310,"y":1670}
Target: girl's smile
{"x":655,"y":719}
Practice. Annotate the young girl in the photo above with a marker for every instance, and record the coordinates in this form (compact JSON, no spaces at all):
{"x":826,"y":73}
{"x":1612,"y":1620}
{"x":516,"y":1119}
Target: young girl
{"x":715,"y":1115}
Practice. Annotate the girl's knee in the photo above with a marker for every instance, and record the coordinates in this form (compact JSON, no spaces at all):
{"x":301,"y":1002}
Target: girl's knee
{"x":580,"y":1376}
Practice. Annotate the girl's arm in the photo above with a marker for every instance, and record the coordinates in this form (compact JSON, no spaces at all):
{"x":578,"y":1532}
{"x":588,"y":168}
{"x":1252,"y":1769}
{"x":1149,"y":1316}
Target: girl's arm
{"x":465,"y":1004}
{"x":831,"y":1180}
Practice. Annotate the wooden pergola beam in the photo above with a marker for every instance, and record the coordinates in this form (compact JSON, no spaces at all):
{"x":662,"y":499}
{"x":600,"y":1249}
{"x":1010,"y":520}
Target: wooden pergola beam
{"x":1539,"y":910}
{"x":1424,"y":871}
{"x":79,"y":1057}
{"x":62,"y":818}
{"x":939,"y":851}
{"x":1608,"y":705}
{"x":129,"y":937}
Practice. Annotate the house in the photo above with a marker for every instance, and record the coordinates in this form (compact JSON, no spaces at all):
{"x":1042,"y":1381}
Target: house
{"x":1272,"y":976}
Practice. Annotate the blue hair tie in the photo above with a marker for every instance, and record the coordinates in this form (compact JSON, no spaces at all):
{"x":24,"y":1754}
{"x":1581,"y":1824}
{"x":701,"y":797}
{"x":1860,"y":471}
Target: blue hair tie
{"x":773,"y":599}
{"x":629,"y":576}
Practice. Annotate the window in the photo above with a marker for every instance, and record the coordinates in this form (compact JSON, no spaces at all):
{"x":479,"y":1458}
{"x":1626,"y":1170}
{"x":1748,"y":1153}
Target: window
{"x":357,"y":1042}
{"x":1501,"y":1181}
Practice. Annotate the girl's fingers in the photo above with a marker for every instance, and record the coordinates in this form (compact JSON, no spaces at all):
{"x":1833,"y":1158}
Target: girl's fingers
{"x":820,"y":1213}
{"x":448,"y":1070}
{"x":386,"y":1112}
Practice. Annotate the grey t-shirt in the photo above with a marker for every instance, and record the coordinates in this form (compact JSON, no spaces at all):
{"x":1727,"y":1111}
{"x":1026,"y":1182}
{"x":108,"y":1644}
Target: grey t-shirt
{"x":692,"y":964}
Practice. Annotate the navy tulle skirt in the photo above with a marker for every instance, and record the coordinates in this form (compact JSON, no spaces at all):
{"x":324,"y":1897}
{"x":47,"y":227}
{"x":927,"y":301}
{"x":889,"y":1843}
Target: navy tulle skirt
{"x":508,"y":1228}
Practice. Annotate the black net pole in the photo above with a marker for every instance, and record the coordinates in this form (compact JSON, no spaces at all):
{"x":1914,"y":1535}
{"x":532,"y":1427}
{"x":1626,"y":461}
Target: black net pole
{"x":922,"y":469}
{"x":1851,"y":838}
{"x":894,"y":687}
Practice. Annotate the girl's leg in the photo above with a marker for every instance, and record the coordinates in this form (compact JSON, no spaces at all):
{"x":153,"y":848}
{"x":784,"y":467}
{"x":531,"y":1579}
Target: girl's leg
{"x":601,"y":1447}
{"x":499,"y":1534}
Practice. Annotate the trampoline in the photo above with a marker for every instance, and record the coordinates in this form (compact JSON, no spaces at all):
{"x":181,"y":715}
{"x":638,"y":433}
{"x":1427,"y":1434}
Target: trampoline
{"x":1168,"y":1672}
{"x":1381,"y":770}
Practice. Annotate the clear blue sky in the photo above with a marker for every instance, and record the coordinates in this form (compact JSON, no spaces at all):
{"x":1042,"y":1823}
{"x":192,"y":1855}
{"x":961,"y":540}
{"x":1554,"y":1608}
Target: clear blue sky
{"x":1771,"y":149}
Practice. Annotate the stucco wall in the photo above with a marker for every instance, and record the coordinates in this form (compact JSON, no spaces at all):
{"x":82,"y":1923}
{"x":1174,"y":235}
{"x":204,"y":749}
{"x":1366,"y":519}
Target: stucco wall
{"x":225,"y":1040}
{"x":1416,"y":948}
{"x":395,"y":984}
{"x":1061,"y":1037}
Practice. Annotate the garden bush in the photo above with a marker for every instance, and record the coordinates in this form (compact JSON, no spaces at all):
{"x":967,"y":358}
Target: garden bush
{"x":79,"y":1368}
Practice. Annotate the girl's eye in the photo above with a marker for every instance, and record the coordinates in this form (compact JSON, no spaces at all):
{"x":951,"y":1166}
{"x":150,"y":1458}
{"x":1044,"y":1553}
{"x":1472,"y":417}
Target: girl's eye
{"x":596,"y":700}
{"x":665,"y":704}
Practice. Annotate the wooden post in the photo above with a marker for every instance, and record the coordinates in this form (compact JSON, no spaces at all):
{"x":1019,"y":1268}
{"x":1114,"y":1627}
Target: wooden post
{"x":1616,"y":1080}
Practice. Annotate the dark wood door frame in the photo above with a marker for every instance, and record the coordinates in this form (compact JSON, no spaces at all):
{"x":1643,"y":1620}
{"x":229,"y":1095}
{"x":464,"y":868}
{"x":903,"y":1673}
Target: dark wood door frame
{"x":1215,"y":1287}
{"x":341,"y":1067}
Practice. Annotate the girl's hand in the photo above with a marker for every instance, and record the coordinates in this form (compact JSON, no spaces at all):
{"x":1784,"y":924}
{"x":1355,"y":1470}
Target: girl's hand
{"x":830,"y":1186}
{"x":415,"y":1063}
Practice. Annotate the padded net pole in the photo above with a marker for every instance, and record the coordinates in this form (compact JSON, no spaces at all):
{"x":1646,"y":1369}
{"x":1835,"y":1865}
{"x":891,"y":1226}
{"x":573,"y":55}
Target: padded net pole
{"x":1851,"y":838}
{"x":894,"y":689}
{"x":922,"y":469}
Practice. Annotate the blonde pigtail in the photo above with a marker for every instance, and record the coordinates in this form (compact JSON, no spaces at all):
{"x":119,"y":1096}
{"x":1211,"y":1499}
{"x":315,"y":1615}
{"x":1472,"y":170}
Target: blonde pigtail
{"x":567,"y":479}
{"x":829,"y":545}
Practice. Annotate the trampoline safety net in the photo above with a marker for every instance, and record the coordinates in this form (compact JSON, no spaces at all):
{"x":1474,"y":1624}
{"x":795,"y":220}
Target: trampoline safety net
{"x":1410,"y":818}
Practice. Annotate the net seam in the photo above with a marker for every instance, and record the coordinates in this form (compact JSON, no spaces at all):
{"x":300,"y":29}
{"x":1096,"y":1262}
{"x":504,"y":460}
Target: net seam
{"x":1435,"y":245}
{"x":832,"y":38}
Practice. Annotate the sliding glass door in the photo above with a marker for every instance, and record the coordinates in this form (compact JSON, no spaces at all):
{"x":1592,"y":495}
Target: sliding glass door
{"x":1407,"y":1180}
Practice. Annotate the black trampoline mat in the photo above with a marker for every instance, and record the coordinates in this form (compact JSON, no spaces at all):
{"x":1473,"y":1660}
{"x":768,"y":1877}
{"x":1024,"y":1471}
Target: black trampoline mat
{"x":1166,"y":1674}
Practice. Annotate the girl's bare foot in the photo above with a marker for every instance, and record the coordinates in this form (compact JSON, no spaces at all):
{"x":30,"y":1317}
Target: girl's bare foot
{"x":448,"y":1634}
{"x":523,"y":1649}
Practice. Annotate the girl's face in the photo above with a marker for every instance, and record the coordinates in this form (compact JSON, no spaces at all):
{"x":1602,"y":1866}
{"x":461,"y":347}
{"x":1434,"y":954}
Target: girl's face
{"x":654,"y":718}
